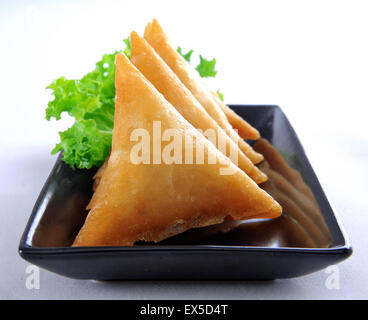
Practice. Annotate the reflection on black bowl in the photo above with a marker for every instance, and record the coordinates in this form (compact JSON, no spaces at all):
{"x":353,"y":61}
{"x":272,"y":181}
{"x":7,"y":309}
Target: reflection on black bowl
{"x":301,"y":224}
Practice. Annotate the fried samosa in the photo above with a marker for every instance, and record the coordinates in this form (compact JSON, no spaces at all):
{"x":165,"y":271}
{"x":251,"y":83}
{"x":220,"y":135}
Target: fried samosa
{"x":156,"y":37}
{"x":150,"y":202}
{"x":150,"y":64}
{"x":245,"y":130}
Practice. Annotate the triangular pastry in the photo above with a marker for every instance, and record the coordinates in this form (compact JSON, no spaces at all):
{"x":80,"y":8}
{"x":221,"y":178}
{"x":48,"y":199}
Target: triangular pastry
{"x":154,"y":201}
{"x":150,"y":64}
{"x":156,"y":37}
{"x":245,"y":130}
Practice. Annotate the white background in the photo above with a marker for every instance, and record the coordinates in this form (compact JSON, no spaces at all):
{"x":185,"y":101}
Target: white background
{"x":309,"y":57}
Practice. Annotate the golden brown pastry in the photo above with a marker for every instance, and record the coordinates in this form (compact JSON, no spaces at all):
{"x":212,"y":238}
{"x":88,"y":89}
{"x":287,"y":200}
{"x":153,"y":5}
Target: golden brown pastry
{"x":156,"y":37}
{"x":138,"y":201}
{"x":98,"y":176}
{"x":245,"y":130}
{"x":166,"y":82}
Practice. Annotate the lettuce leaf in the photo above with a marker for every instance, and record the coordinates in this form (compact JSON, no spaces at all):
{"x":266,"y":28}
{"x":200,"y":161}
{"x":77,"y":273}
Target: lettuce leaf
{"x":187,"y":55}
{"x":84,"y":145}
{"x":220,"y":95}
{"x":128,"y":48}
{"x":206,"y":68}
{"x":90,"y":101}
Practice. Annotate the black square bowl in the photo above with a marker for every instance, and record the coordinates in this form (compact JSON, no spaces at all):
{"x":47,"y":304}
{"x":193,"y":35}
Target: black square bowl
{"x":215,"y":252}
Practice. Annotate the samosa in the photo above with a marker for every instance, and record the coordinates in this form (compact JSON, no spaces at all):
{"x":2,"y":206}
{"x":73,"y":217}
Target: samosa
{"x":150,"y":202}
{"x":166,"y":82}
{"x":156,"y":37}
{"x":245,"y":130}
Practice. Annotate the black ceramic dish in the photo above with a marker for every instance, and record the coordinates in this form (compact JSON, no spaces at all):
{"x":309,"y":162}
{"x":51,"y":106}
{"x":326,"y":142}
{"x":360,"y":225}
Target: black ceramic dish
{"x":205,"y":253}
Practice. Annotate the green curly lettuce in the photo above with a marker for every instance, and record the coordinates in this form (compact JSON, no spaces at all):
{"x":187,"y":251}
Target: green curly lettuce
{"x":187,"y":55}
{"x":90,"y":101}
{"x":206,"y":68}
{"x":220,"y":95}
